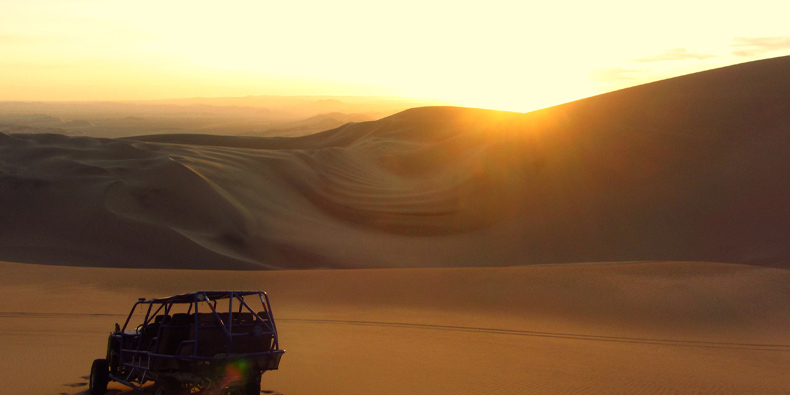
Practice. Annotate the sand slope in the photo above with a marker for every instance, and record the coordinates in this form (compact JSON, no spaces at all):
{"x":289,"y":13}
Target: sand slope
{"x":691,"y":168}
{"x":623,"y":328}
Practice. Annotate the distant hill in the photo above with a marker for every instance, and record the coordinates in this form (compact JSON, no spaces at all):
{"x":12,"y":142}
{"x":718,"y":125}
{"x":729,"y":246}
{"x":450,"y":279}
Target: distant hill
{"x":249,"y":116}
{"x":690,"y":168}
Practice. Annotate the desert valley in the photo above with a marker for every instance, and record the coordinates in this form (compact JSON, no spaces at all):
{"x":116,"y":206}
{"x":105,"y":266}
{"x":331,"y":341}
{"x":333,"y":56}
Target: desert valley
{"x":631,"y":242}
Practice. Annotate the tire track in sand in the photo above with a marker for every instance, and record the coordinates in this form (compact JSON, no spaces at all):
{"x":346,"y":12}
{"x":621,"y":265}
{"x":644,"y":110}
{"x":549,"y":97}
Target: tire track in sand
{"x":557,"y":335}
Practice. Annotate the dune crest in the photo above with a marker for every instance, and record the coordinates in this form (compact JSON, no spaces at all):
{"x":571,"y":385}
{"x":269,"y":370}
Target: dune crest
{"x":691,"y":168}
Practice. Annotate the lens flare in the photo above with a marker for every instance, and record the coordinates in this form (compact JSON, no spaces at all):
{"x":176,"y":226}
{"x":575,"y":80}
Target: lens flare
{"x":235,"y":373}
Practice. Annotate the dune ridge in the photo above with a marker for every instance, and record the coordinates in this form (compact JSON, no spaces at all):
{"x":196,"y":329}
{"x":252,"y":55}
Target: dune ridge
{"x":691,"y":168}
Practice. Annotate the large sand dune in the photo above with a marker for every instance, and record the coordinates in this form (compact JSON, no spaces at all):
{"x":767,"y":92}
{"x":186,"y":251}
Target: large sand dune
{"x":691,"y":168}
{"x":617,"y":328}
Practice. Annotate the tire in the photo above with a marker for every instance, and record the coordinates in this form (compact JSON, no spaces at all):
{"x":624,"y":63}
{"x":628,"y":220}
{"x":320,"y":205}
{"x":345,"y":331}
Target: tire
{"x":167,"y":386}
{"x":100,"y":377}
{"x":253,"y":384}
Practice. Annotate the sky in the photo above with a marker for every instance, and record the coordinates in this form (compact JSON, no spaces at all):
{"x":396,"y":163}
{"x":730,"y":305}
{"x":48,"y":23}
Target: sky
{"x":508,"y":55}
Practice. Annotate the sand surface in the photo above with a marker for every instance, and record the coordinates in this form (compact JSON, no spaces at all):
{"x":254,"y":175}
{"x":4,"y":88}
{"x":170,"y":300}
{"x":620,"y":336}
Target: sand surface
{"x":624,"y":328}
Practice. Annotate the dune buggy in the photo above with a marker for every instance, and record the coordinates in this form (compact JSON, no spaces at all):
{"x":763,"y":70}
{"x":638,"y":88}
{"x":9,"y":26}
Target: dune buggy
{"x":217,"y":342}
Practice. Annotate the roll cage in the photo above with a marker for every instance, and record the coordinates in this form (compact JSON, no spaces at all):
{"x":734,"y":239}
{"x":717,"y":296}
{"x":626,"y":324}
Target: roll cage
{"x":190,"y":337}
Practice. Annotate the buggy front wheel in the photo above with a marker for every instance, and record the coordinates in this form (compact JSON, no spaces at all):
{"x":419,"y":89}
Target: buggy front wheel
{"x":100,"y":377}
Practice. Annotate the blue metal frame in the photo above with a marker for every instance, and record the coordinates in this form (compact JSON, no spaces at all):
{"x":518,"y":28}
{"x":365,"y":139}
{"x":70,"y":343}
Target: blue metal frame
{"x":139,"y":363}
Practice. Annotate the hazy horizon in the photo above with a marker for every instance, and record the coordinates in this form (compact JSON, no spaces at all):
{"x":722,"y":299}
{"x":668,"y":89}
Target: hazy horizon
{"x":284,"y":116}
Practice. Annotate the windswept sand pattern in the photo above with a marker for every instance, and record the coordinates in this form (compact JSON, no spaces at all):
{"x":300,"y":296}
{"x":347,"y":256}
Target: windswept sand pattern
{"x":691,"y":168}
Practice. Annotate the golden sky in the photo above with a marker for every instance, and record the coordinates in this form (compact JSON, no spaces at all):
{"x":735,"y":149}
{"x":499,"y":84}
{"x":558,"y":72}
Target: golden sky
{"x":512,"y":55}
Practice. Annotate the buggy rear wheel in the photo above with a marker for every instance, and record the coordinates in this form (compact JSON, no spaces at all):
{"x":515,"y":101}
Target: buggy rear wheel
{"x":253,"y":384}
{"x":167,"y":386}
{"x":100,"y":377}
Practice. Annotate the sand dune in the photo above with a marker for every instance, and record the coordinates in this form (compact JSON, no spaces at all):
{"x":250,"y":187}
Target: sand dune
{"x":616,"y":328}
{"x":691,"y":168}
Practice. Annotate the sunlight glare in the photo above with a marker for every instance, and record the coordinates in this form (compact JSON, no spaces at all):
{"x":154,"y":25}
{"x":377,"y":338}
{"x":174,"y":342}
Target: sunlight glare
{"x":498,"y":54}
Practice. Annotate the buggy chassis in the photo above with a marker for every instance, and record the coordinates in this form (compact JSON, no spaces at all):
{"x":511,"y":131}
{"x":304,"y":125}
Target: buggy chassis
{"x":202,"y":341}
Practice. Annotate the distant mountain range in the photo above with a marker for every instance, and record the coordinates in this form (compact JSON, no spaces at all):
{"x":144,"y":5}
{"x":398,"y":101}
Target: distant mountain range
{"x":252,"y":115}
